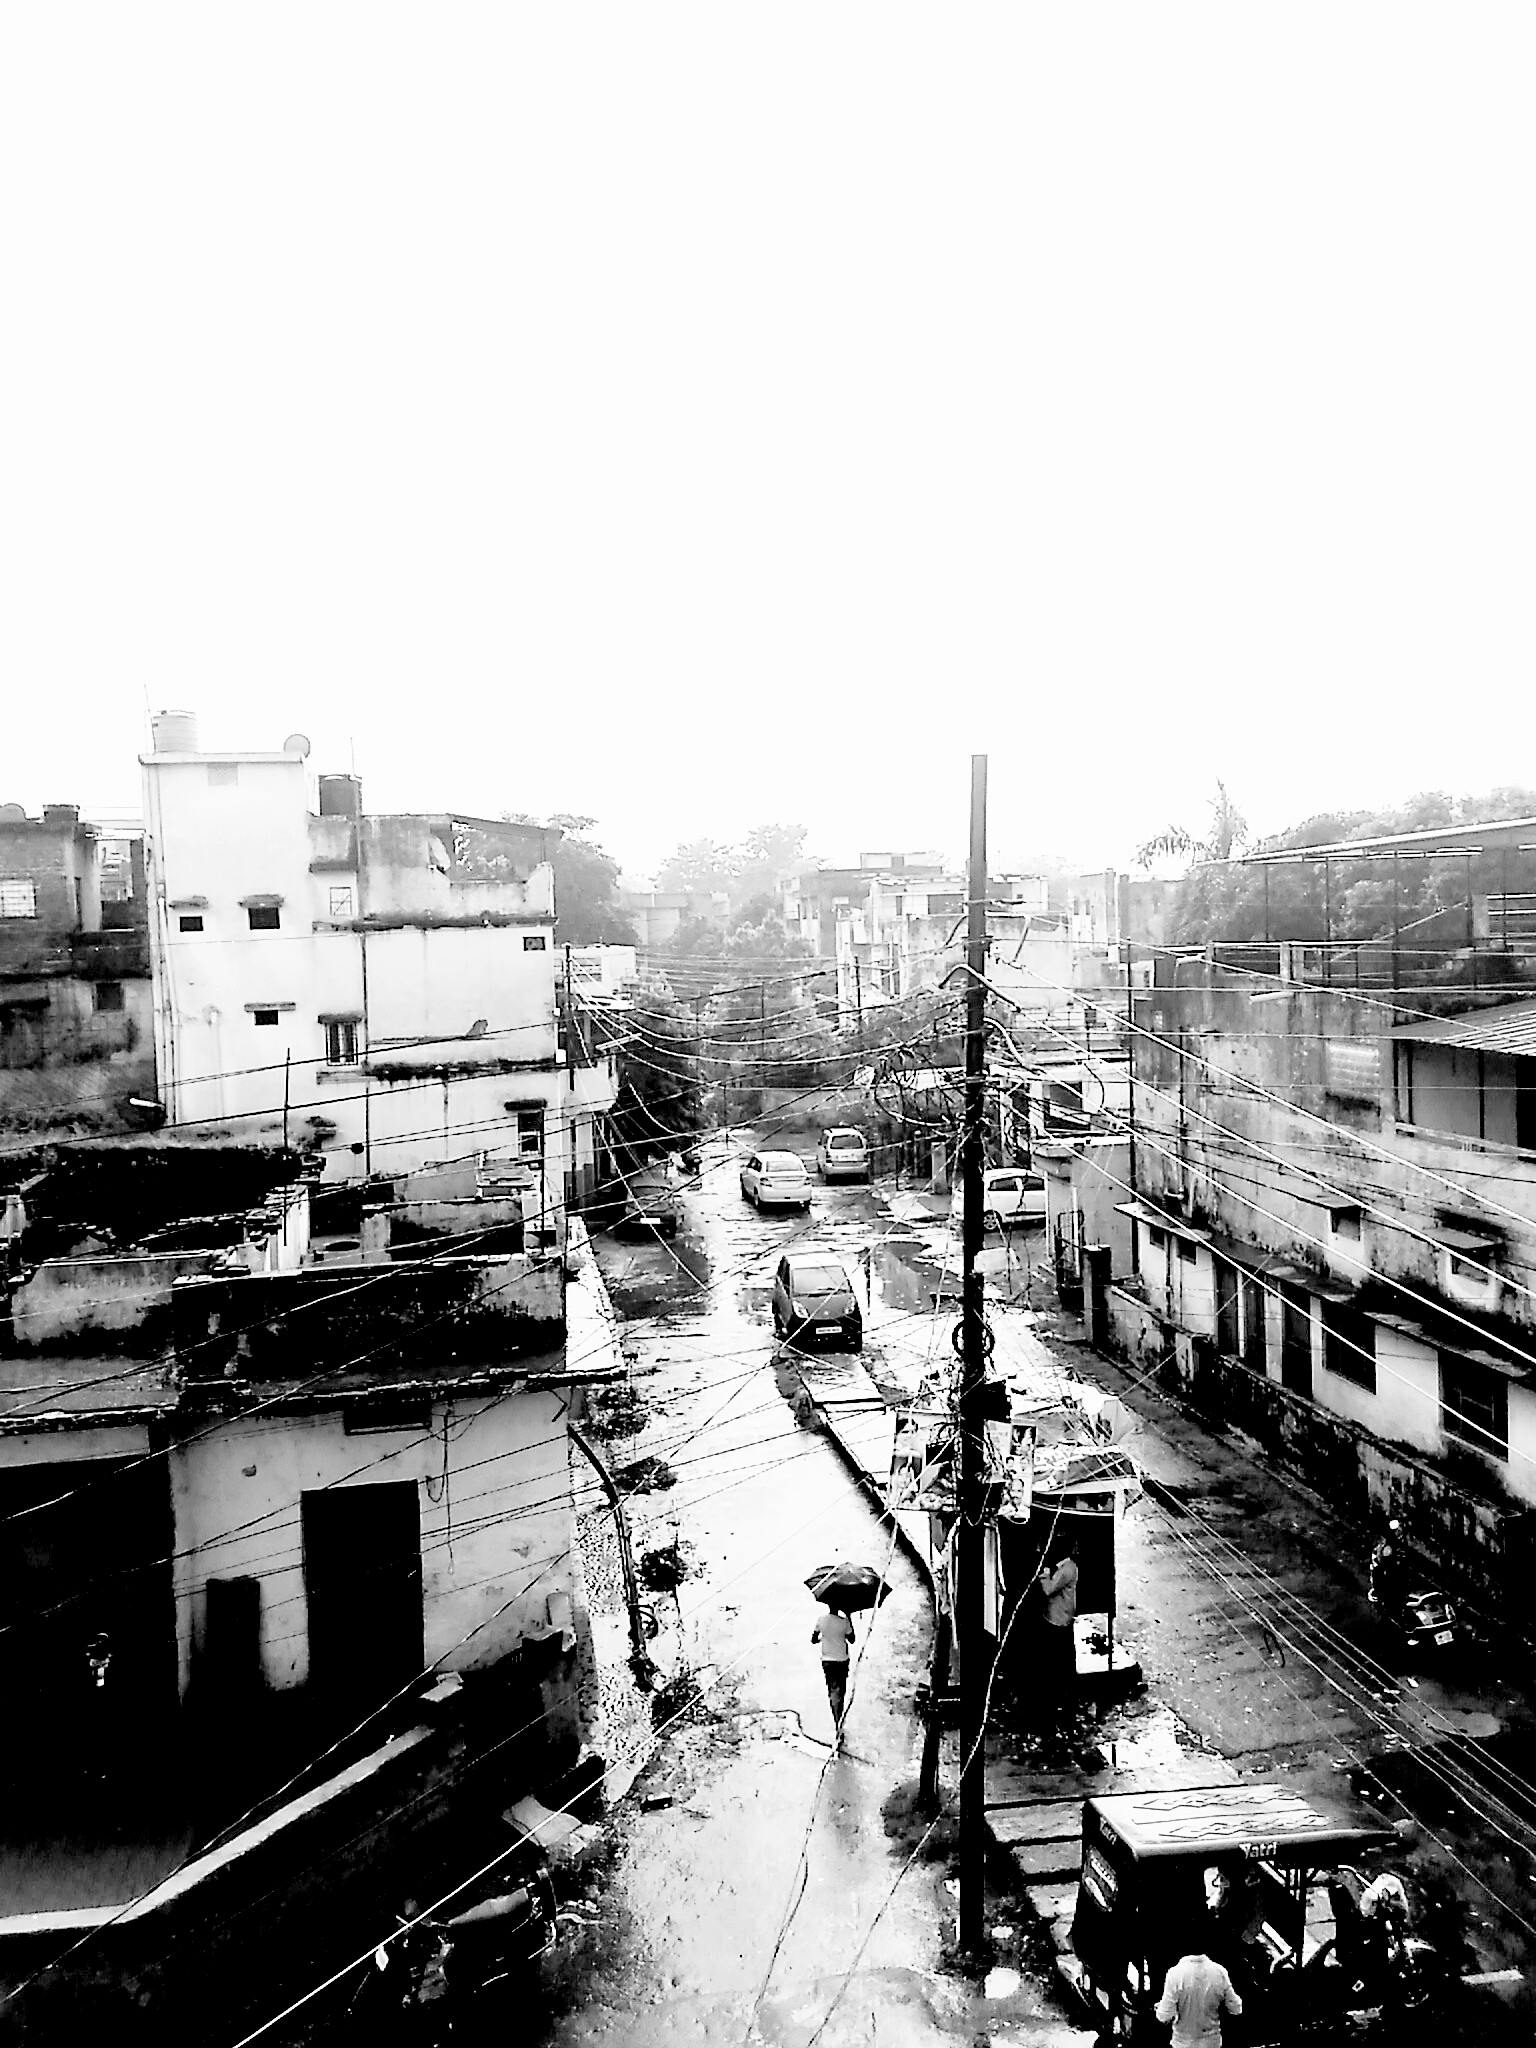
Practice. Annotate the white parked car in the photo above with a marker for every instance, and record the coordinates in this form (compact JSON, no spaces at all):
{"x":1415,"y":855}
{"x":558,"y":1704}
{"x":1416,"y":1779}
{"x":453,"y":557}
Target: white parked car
{"x":1010,"y":1194}
{"x":776,"y":1180}
{"x":843,"y":1154}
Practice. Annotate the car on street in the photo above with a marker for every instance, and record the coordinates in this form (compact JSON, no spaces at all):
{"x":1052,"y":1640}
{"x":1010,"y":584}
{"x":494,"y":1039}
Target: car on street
{"x":814,"y":1299}
{"x":648,"y":1212}
{"x":1010,"y":1195}
{"x":776,"y":1180}
{"x":843,"y":1154}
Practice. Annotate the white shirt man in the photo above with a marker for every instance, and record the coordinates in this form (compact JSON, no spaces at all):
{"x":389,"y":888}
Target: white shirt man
{"x":1196,"y":1992}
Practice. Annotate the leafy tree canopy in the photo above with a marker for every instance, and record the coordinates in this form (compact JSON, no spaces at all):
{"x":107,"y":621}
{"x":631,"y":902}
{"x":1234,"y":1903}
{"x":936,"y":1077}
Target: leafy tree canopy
{"x":587,"y":909}
{"x":1425,"y":899}
{"x":751,"y":868}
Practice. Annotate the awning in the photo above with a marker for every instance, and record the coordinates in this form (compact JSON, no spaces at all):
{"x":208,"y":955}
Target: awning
{"x":1461,"y":1346}
{"x":1155,"y":1219}
{"x":1464,"y":1240}
{"x":1510,"y":1028}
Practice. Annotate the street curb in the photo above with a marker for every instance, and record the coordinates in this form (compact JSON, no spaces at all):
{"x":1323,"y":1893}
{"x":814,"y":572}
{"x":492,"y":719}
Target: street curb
{"x":874,"y":1492}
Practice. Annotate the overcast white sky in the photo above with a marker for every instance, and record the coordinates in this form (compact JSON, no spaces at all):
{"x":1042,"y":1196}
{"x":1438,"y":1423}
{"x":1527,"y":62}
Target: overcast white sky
{"x":700,"y":415}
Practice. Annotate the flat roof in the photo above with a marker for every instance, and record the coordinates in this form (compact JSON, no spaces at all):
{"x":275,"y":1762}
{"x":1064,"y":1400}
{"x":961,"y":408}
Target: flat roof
{"x":1450,"y":839}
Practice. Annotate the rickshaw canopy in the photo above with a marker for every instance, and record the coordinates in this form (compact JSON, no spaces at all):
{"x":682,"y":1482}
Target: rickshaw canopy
{"x":1207,"y":1822}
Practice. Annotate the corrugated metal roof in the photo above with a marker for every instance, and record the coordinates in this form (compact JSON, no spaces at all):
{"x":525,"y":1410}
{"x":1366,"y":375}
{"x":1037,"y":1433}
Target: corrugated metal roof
{"x":1511,"y":1028}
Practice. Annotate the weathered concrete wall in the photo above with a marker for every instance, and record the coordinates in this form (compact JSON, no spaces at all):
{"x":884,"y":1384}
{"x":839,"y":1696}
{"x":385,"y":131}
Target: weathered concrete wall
{"x":397,"y":1319}
{"x":82,"y":1301}
{"x":1084,"y":1188}
{"x":497,"y":1523}
{"x":472,"y":1229}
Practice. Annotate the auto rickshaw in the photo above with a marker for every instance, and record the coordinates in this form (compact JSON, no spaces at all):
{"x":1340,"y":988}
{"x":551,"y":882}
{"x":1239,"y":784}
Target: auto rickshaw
{"x":1256,"y":1876}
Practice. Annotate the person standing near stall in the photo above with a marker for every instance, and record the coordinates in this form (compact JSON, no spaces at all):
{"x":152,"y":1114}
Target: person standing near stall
{"x":1058,"y":1637}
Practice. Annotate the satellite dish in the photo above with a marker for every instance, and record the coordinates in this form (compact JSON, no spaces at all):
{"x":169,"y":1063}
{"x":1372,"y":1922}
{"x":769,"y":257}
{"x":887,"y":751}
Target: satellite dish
{"x":13,"y":814}
{"x":297,"y":743}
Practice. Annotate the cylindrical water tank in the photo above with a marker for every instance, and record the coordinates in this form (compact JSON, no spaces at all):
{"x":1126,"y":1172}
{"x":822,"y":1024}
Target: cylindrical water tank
{"x":174,"y":732}
{"x":341,"y":796}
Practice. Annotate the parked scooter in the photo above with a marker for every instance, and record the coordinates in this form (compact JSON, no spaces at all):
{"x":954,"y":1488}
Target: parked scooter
{"x":1423,"y":1617}
{"x":441,"y":1977}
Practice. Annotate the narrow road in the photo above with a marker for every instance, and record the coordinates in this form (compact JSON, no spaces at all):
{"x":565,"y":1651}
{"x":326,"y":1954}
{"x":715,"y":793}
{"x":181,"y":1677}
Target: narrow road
{"x":760,"y":1894}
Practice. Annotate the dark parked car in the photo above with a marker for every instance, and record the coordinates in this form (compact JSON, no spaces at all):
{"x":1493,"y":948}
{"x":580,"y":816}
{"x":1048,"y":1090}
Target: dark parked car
{"x":813,"y":1297}
{"x":648,"y":1212}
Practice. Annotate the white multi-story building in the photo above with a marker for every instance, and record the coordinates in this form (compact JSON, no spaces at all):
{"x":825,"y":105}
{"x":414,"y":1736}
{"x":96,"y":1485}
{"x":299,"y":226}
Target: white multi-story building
{"x":383,"y":990}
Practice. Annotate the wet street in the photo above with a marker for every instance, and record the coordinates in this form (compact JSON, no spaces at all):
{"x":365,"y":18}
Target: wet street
{"x":751,"y":1884}
{"x":759,"y":1893}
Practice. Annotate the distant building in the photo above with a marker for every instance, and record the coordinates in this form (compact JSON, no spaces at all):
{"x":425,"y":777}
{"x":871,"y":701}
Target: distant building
{"x":381,"y":990}
{"x":76,"y":1039}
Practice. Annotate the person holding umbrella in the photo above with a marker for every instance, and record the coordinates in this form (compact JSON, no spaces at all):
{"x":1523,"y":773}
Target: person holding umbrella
{"x":841,"y":1588}
{"x":834,"y":1632}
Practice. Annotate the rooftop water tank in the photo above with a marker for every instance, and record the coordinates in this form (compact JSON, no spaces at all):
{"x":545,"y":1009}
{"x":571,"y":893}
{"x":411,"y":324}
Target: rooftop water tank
{"x":341,"y":796}
{"x":174,"y":732}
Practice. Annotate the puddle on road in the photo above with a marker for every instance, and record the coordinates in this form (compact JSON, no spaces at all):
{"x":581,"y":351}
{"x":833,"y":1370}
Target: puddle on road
{"x":1148,"y":1738}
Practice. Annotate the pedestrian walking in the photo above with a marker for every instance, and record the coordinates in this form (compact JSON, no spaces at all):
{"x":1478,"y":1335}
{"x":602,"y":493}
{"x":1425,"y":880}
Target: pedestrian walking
{"x":1196,"y":1992}
{"x":834,"y":1632}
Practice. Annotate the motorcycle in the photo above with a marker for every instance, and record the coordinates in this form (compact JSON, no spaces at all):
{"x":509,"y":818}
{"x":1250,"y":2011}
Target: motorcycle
{"x":1423,"y":1617}
{"x":442,"y":1975}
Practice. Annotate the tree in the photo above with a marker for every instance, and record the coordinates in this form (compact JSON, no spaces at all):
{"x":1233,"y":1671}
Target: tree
{"x":587,"y":909}
{"x":767,"y":856}
{"x":699,"y":867}
{"x":661,"y":1091}
{"x":751,"y":869}
{"x":1225,"y":835}
{"x":1422,"y":898}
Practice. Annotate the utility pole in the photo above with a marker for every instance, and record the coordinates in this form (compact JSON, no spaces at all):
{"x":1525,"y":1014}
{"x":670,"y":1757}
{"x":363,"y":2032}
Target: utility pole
{"x":858,"y":997}
{"x":970,"y":1561}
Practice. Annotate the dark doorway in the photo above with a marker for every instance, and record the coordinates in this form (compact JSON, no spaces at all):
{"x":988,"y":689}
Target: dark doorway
{"x":362,"y":1581}
{"x":230,"y":1670}
{"x":1226,"y":1308}
{"x":1255,"y":1344}
{"x":85,"y":1595}
{"x":1296,"y":1340}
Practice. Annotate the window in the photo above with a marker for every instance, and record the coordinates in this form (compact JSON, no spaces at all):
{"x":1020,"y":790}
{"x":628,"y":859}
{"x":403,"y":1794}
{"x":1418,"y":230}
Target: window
{"x":340,"y":1042}
{"x":341,"y":900}
{"x":1156,"y":1238}
{"x":190,"y":921}
{"x":1345,"y":1223}
{"x":18,"y":898}
{"x":223,"y":774}
{"x":530,"y":1132}
{"x":535,"y":942}
{"x":108,"y":995}
{"x":1474,"y":1405}
{"x":264,"y":917}
{"x":264,"y":1017}
{"x":1349,"y":1344}
{"x":1186,"y":1251}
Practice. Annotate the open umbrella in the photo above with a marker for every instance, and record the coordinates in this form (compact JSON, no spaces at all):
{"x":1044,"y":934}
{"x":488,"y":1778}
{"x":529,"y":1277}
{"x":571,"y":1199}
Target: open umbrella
{"x":853,"y":1587}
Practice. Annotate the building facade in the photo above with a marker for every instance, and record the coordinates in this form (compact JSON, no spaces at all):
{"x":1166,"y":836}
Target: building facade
{"x":379,"y":990}
{"x":1334,"y":1227}
{"x":76,"y":1031}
